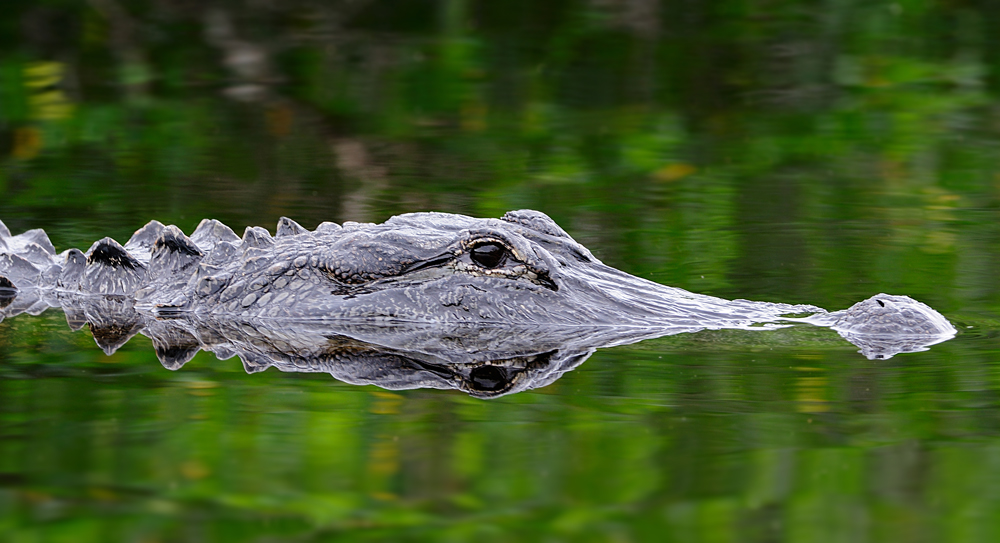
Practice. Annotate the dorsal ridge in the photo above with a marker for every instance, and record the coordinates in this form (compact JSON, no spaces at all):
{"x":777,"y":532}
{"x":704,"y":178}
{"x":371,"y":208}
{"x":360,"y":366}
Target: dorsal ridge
{"x":288,"y":227}
{"x":327,"y":227}
{"x":36,"y":236}
{"x":73,"y":267}
{"x":141,"y":242}
{"x":110,"y":253}
{"x":19,"y":271}
{"x":257,"y":237}
{"x":210,"y":232}
{"x":173,"y":252}
{"x":112,"y":270}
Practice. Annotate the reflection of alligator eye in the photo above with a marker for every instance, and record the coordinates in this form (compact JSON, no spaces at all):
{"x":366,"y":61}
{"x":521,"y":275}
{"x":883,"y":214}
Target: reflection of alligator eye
{"x":488,"y":378}
{"x":488,"y":255}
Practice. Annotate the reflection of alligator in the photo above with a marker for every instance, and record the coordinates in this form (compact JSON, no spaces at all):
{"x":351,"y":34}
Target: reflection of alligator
{"x":484,"y":361}
{"x":429,"y":269}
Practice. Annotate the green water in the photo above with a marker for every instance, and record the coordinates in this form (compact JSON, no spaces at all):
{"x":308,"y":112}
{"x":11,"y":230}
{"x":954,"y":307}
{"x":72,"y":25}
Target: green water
{"x":790,"y":151}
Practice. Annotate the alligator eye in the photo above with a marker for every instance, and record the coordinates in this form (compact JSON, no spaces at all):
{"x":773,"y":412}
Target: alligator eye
{"x":488,"y":378}
{"x":488,"y":255}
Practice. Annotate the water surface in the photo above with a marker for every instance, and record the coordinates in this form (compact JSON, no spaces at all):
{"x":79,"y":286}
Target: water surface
{"x":785,"y":152}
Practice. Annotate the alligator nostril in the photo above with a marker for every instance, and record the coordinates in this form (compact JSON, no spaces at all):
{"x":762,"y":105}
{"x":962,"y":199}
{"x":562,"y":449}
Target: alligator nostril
{"x":881,"y":303}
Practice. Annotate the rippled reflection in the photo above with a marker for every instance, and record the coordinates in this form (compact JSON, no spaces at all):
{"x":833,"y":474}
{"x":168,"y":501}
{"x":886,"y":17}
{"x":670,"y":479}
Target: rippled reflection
{"x":484,"y":361}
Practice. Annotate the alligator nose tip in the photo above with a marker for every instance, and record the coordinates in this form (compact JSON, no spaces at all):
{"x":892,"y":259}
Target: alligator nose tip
{"x":885,"y":325}
{"x":885,"y":314}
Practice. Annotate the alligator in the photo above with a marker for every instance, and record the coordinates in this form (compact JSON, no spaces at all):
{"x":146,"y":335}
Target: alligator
{"x":438,"y":270}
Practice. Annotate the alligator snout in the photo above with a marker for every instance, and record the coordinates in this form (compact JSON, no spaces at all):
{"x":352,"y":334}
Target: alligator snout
{"x":888,"y":315}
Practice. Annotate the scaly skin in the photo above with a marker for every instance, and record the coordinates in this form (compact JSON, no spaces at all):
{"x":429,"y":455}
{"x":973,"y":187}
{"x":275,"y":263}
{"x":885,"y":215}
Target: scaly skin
{"x":441,"y":269}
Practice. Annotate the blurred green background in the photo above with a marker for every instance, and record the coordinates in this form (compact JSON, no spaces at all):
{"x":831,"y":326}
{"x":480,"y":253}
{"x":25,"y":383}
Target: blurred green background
{"x":798,"y":151}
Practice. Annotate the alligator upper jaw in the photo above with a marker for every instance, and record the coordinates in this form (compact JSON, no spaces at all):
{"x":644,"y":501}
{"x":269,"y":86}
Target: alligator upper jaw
{"x":605,"y":295}
{"x":881,"y":326}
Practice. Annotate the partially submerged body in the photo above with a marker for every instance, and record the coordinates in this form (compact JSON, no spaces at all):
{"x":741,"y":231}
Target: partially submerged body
{"x":420,"y":269}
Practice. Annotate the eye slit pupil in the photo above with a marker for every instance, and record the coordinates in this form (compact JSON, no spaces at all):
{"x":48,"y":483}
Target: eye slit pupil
{"x":488,"y":255}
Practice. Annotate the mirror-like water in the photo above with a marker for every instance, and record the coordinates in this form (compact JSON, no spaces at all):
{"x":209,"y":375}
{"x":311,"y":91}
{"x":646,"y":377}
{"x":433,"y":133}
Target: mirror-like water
{"x":789,"y":152}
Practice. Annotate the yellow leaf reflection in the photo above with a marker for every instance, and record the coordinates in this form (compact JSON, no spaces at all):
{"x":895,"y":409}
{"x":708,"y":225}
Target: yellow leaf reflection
{"x":194,"y":470}
{"x":38,"y":75}
{"x":674,"y":171}
{"x":27,"y":142}
{"x":386,"y":403}
{"x":811,"y":394}
{"x":47,"y":103}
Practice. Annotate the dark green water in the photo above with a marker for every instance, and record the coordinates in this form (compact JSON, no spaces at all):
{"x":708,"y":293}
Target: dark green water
{"x":789,"y":151}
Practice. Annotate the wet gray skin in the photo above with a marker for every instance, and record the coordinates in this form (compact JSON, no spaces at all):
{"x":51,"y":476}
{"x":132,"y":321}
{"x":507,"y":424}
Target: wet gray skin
{"x":435,"y":269}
